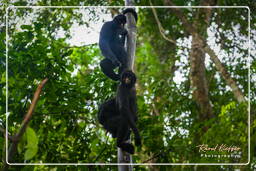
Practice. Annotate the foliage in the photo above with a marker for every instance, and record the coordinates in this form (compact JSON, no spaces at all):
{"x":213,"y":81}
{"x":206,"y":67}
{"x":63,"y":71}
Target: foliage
{"x":64,"y":126}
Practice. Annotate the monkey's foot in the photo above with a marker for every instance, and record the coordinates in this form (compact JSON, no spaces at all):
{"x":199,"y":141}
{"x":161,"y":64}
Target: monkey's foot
{"x":127,"y":147}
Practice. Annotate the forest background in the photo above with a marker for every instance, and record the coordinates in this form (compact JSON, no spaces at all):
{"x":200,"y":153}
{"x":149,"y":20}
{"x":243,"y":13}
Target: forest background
{"x":193,"y":83}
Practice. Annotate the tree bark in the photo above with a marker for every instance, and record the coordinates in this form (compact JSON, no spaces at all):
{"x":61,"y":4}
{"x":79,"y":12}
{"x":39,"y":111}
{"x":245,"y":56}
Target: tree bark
{"x":197,"y":61}
{"x":131,"y":38}
{"x":198,"y":79}
{"x":124,"y":157}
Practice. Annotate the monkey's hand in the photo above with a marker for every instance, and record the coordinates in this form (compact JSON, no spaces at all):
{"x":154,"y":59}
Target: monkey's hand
{"x":125,"y":32}
{"x":137,"y":141}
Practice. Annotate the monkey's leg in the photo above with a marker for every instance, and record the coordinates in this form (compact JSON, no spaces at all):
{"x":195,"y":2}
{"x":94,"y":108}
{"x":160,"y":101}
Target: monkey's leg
{"x":107,"y":68}
{"x":122,"y":56}
{"x":131,"y":122}
{"x":112,"y":125}
{"x":122,"y":132}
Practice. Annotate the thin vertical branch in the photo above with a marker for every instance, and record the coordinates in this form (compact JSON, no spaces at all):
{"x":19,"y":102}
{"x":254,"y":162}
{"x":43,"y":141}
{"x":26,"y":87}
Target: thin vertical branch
{"x":124,"y":157}
{"x":160,"y":27}
{"x":131,"y":38}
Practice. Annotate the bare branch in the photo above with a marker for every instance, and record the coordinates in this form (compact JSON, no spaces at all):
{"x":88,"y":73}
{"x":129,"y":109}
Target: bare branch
{"x":31,"y":109}
{"x":160,"y":27}
{"x":186,"y":24}
{"x":207,"y":11}
{"x":13,"y":147}
{"x":131,"y":40}
{"x":220,"y":67}
{"x":83,"y":46}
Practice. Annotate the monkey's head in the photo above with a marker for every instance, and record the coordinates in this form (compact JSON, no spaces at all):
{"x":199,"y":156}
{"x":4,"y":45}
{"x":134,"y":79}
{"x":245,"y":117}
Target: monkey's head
{"x":128,"y":78}
{"x":120,"y":19}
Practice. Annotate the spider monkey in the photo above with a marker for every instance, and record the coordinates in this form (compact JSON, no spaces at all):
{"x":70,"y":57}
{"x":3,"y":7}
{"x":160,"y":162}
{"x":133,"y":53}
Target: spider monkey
{"x":119,"y":114}
{"x":111,"y":43}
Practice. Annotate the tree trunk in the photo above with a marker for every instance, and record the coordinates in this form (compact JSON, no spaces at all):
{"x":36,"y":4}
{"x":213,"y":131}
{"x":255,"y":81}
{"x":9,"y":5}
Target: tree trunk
{"x":197,"y":61}
{"x":220,"y":67}
{"x":198,"y":79}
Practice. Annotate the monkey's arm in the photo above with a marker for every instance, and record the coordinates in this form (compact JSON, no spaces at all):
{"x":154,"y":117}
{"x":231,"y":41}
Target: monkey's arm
{"x":132,"y":124}
{"x":127,"y":113}
{"x":123,"y":33}
{"x":133,"y":105}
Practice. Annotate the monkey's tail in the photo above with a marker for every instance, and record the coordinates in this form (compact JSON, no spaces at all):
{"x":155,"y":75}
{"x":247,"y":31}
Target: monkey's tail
{"x":131,"y":10}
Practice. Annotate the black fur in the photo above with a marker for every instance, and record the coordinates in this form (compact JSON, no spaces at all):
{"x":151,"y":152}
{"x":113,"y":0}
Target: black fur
{"x":131,"y":10}
{"x":111,"y":43}
{"x":119,"y":115}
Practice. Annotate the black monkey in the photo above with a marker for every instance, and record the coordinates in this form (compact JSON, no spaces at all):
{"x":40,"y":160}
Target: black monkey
{"x":111,"y":43}
{"x":118,"y":115}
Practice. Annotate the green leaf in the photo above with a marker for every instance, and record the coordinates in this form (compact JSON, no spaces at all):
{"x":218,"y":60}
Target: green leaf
{"x":30,"y":153}
{"x":32,"y":139}
{"x":32,"y":144}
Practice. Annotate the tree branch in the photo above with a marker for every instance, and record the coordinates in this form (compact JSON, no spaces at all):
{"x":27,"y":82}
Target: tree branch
{"x":220,"y":67}
{"x":31,"y":109}
{"x":4,"y":133}
{"x":206,"y":11}
{"x":131,"y":38}
{"x":13,"y":147}
{"x":124,"y":157}
{"x":160,"y":27}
